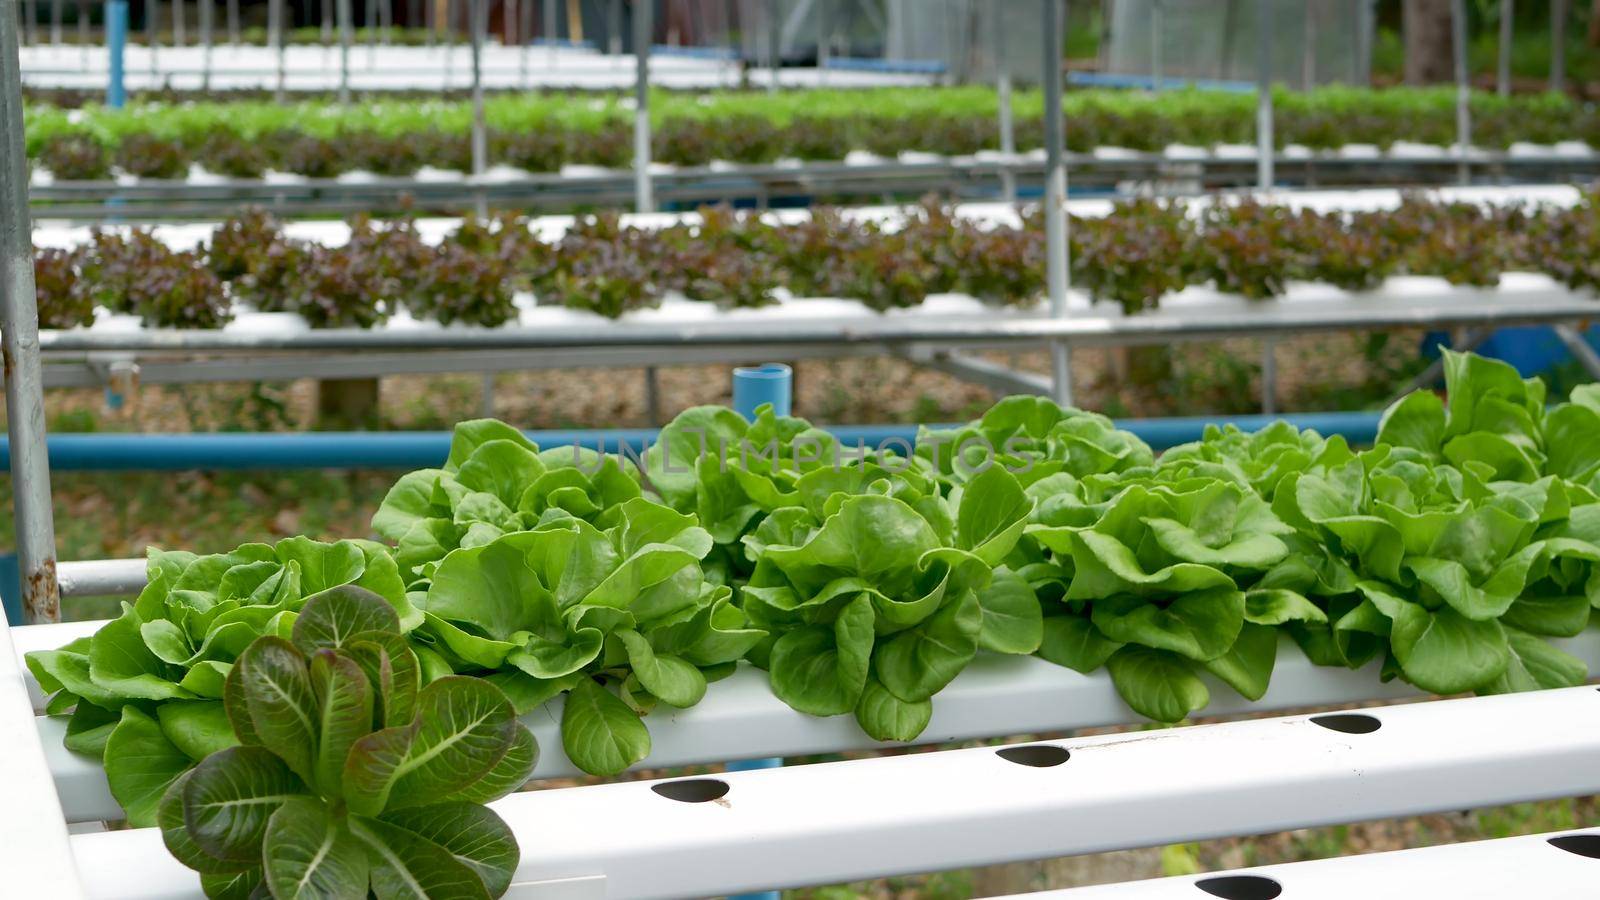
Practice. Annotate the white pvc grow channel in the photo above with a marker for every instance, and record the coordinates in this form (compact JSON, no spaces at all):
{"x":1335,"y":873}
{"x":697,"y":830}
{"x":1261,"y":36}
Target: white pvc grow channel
{"x":1547,"y":866}
{"x":835,"y":822}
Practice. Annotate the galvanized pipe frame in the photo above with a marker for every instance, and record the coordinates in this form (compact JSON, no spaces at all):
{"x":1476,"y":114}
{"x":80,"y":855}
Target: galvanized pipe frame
{"x":1534,"y":865}
{"x":842,"y":821}
{"x":19,"y":341}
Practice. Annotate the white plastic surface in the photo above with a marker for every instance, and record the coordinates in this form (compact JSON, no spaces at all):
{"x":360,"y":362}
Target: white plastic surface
{"x":836,"y":822}
{"x":1528,"y":866}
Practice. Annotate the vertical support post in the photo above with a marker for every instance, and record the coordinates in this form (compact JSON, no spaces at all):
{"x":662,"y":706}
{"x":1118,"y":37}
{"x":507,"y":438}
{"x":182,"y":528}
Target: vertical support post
{"x":30,"y":21}
{"x":774,"y":44}
{"x":344,"y":52}
{"x":825,"y":38}
{"x":180,"y":34}
{"x":386,"y":21}
{"x":1559,"y":13}
{"x":1508,"y":13}
{"x":116,"y":43}
{"x":1264,"y":142}
{"x":652,"y":396}
{"x":486,"y":399}
{"x":83,"y":33}
{"x":1458,"y":30}
{"x":19,"y":333}
{"x":372,"y":33}
{"x":275,"y":14}
{"x":1269,"y":376}
{"x":643,"y":28}
{"x":757,"y":386}
{"x":205,"y":44}
{"x":430,"y":24}
{"x":1008,"y":131}
{"x":233,"y":22}
{"x":527,"y":42}
{"x":1308,"y":47}
{"x":152,"y":31}
{"x":753,"y":387}
{"x":1156,"y":22}
{"x":1056,"y":254}
{"x":550,"y":29}
{"x":511,"y":23}
{"x":479,"y":11}
{"x":326,"y":9}
{"x":614,"y":28}
{"x":55,"y":22}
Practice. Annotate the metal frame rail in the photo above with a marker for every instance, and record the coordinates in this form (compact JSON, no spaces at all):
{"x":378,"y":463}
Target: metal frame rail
{"x":119,"y":359}
{"x":763,"y":185}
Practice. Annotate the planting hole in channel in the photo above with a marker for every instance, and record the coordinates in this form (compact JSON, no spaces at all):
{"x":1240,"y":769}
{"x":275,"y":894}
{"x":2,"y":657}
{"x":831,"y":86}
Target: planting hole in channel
{"x":1240,"y":887}
{"x":1039,"y":756}
{"x":1580,"y":844}
{"x":693,"y":790}
{"x":1348,"y":723}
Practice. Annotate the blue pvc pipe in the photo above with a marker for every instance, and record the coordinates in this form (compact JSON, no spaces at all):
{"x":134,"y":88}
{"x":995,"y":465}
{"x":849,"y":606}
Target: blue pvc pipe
{"x":755,"y":386}
{"x":116,"y":41}
{"x":1146,"y":82}
{"x":416,"y":449}
{"x":11,"y":588}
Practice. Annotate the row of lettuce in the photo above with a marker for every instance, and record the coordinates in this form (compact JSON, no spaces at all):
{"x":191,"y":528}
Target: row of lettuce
{"x":543,"y":132}
{"x":1141,"y":252}
{"x":862,"y":581}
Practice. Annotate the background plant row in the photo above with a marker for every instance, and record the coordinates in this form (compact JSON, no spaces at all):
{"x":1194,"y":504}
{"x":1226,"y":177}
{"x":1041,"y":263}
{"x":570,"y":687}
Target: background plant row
{"x":542,"y":132}
{"x":863,"y":580}
{"x":1140,"y":252}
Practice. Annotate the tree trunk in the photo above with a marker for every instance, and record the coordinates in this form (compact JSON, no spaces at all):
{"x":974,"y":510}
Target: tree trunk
{"x":1426,"y":25}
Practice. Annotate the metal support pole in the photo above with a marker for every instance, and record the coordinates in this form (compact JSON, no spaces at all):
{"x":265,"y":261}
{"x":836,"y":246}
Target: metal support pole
{"x":116,"y":43}
{"x":1559,"y":13}
{"x":1458,"y":29}
{"x":180,"y":35}
{"x":1155,"y":45}
{"x":1008,"y":131}
{"x":1308,"y":47}
{"x":527,"y":42}
{"x":614,"y":27}
{"x":152,"y":30}
{"x":1269,"y":376}
{"x":19,"y":333}
{"x":479,"y":12}
{"x":83,"y":33}
{"x":30,"y":21}
{"x":233,"y":22}
{"x":825,"y":37}
{"x":275,"y":26}
{"x":774,"y":43}
{"x":652,"y":395}
{"x":550,"y":29}
{"x":205,"y":44}
{"x":643,"y":28}
{"x":386,"y":21}
{"x":326,"y":8}
{"x":344,"y":51}
{"x":55,"y":22}
{"x":1264,"y":142}
{"x":486,"y":401}
{"x":372,"y":33}
{"x":1057,"y":261}
{"x":1508,"y":13}
{"x":1586,"y":356}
